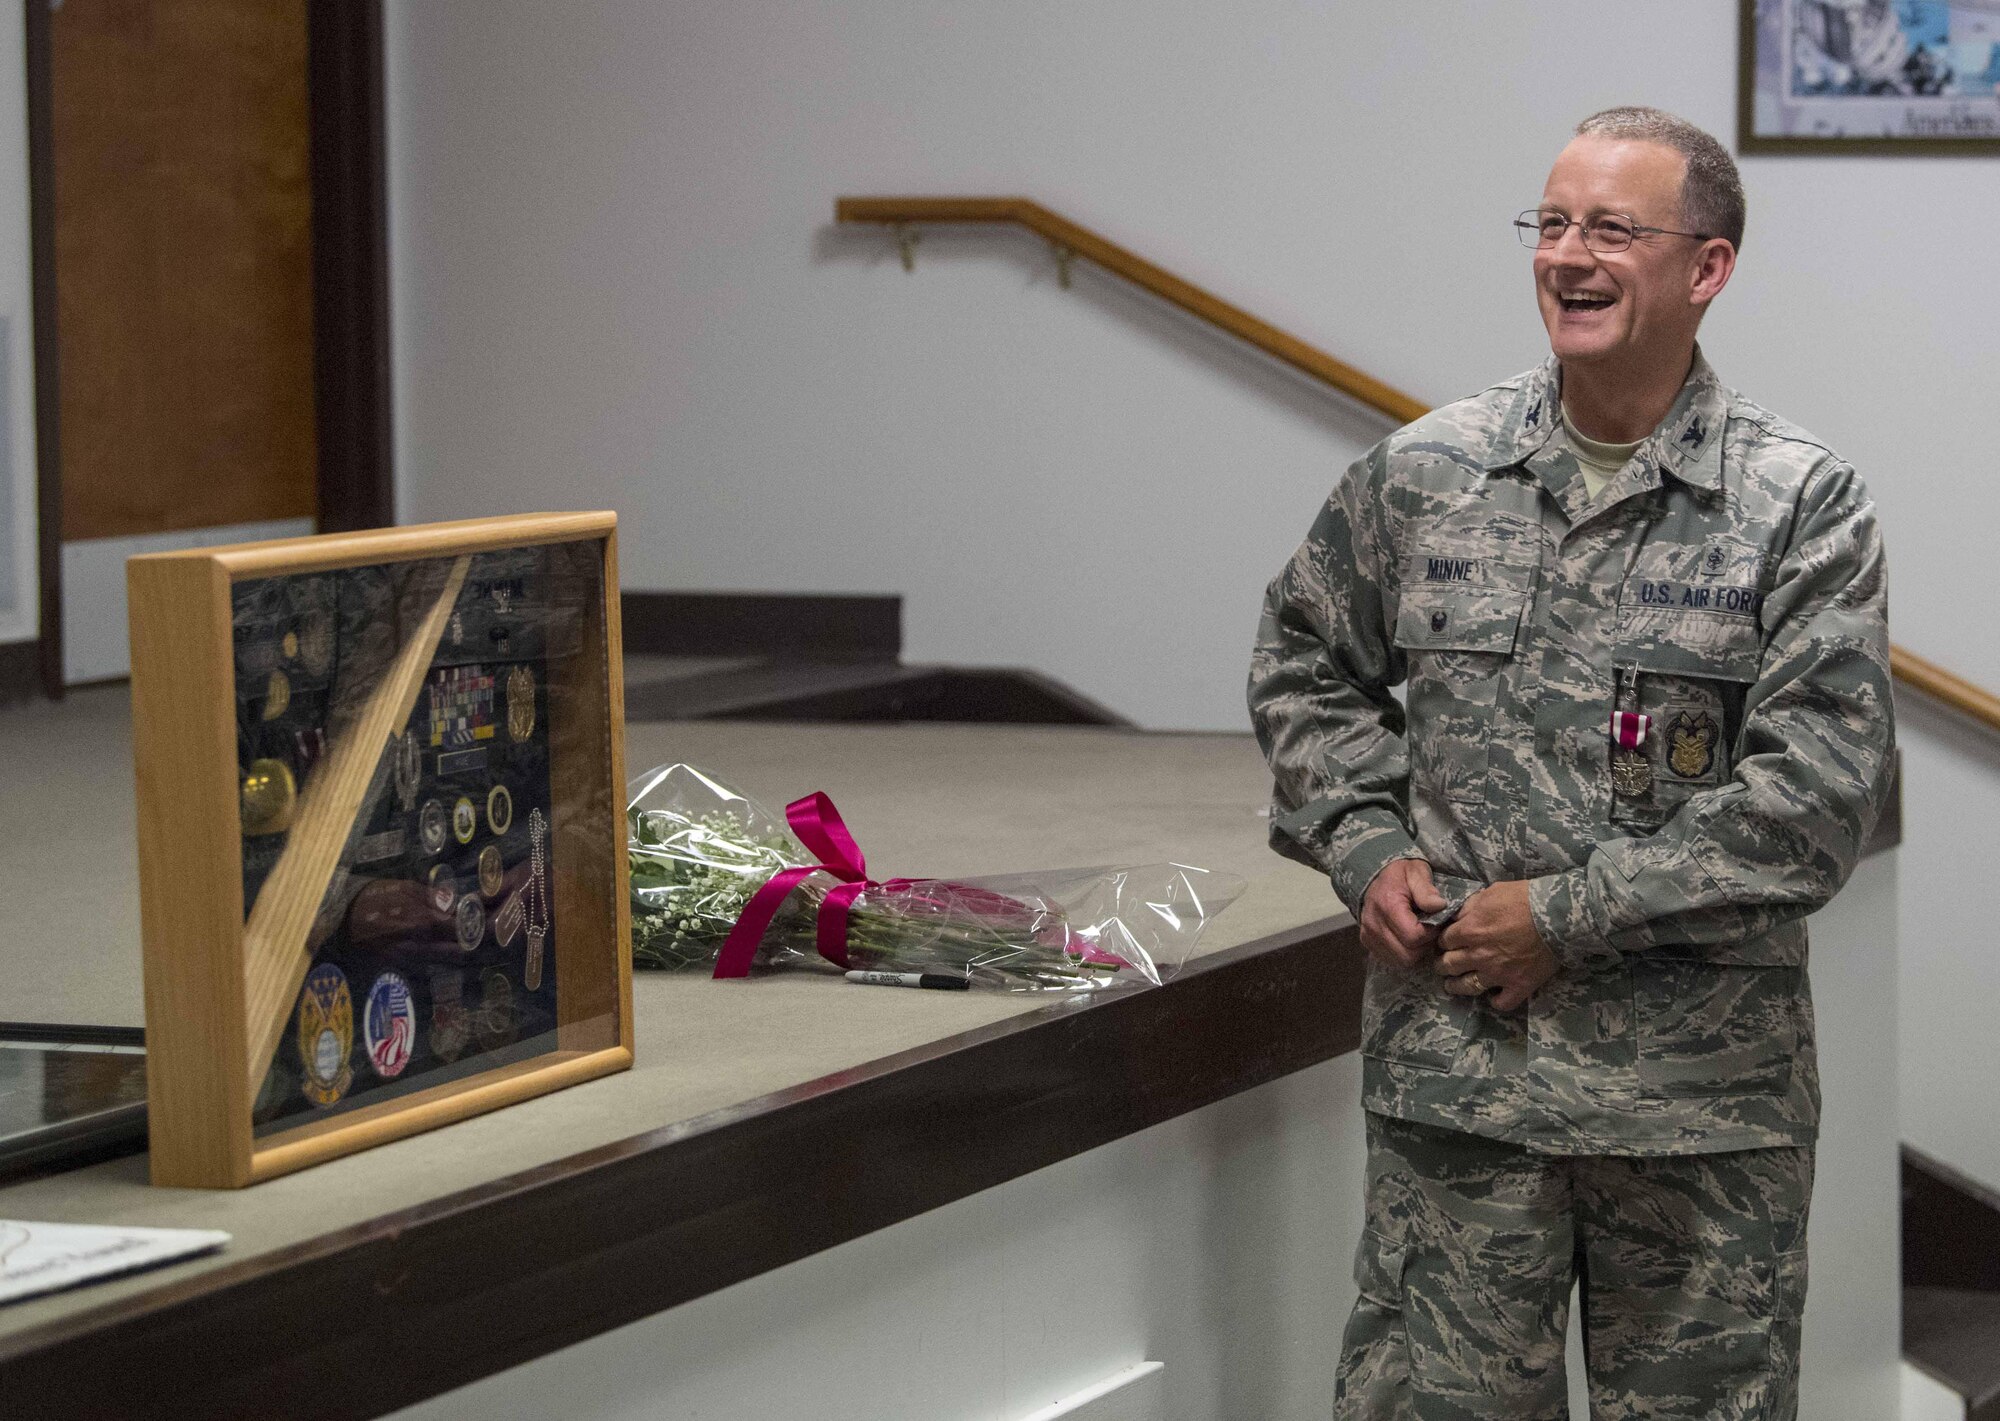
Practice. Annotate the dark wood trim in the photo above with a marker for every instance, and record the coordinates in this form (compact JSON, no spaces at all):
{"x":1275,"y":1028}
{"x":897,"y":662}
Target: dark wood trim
{"x":350,"y":265}
{"x":803,"y":626}
{"x":20,"y":671}
{"x":42,"y":280}
{"x":361,"y":1322}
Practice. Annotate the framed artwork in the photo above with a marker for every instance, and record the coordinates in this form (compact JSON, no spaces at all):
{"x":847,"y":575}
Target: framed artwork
{"x":381,"y":835}
{"x":1869,"y":76}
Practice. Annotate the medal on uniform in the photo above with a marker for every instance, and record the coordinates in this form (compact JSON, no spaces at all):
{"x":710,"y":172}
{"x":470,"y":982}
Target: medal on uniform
{"x":1631,"y":771}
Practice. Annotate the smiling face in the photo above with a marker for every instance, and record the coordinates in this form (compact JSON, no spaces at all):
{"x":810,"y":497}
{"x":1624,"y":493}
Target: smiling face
{"x":1636,"y":310}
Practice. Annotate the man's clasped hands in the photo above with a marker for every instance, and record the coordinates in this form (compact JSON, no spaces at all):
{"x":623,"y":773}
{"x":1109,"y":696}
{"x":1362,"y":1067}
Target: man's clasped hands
{"x":1490,"y":949}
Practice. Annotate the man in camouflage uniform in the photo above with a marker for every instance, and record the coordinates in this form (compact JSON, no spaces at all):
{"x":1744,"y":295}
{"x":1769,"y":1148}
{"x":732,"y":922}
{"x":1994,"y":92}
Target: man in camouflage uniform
{"x":1648,"y":731}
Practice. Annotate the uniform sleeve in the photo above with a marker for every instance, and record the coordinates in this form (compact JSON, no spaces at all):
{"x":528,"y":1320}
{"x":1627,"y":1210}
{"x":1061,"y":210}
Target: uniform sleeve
{"x":1319,"y":694}
{"x":1814,"y":758}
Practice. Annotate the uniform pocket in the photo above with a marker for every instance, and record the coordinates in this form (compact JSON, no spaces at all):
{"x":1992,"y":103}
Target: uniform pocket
{"x":1378,"y":1270}
{"x":1693,"y":694}
{"x":1458,"y":642}
{"x":1409,"y":1018}
{"x":1705,"y":1028}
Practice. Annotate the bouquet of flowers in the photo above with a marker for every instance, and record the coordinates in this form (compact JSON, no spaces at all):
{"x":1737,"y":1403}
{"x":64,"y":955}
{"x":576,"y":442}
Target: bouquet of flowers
{"x":719,"y":882}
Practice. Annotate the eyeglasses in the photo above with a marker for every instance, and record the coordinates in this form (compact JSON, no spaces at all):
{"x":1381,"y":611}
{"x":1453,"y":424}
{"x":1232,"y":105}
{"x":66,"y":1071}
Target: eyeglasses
{"x":1540,"y":227}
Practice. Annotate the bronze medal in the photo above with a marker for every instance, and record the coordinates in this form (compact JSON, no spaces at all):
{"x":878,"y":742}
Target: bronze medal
{"x":269,"y":796}
{"x":1631,"y":774}
{"x":520,"y":704}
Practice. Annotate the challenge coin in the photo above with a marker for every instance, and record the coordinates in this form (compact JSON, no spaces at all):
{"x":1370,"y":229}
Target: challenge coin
{"x":269,"y":796}
{"x":464,"y":820}
{"x":326,"y":1034}
{"x":451,"y":1023}
{"x":277,"y":695}
{"x":492,"y":872}
{"x":430,"y":826}
{"x":444,"y":888}
{"x":493,"y":1021}
{"x":389,"y":1025}
{"x":520,"y":704}
{"x":499,"y":809}
{"x":471,"y":922}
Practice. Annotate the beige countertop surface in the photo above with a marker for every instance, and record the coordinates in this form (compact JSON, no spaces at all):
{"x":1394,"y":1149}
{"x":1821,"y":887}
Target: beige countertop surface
{"x":920,"y":799}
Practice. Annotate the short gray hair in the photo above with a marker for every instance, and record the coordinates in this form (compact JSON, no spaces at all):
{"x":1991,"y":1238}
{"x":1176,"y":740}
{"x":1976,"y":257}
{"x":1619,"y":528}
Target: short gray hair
{"x":1711,"y":193}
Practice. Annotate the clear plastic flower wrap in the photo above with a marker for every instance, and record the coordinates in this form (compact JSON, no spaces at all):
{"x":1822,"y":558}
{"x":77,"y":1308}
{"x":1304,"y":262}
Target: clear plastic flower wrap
{"x":710,"y":865}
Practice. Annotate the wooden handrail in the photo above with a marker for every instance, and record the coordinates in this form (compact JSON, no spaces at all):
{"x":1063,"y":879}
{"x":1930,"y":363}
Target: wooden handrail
{"x":1909,"y":668}
{"x":1136,"y":269}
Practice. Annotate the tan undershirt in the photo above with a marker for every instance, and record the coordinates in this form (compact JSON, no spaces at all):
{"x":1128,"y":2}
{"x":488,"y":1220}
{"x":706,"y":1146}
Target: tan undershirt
{"x":1598,"y":462}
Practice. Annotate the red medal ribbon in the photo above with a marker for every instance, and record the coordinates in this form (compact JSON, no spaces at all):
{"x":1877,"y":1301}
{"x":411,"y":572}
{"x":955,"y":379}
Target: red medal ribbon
{"x":821,"y":829}
{"x":1629,"y":728}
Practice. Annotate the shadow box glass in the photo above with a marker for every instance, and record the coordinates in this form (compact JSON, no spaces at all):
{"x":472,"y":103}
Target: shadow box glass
{"x":381,"y":838}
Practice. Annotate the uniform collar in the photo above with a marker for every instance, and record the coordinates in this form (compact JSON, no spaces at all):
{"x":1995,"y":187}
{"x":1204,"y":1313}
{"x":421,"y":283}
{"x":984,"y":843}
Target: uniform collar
{"x":1687,"y":444}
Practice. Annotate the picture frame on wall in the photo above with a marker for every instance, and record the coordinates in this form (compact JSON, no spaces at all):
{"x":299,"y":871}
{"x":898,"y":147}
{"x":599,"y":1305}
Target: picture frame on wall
{"x":1869,"y":76}
{"x":382,"y":861}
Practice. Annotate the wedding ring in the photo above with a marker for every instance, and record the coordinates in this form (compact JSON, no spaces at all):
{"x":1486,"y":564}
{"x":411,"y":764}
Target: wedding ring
{"x":1471,"y":979}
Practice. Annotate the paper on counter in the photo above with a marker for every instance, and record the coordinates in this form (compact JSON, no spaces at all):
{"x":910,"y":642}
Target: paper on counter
{"x":41,"y":1258}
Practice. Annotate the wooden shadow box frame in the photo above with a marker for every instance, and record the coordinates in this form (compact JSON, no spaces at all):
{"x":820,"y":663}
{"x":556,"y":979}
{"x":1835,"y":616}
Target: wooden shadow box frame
{"x":222,"y":984}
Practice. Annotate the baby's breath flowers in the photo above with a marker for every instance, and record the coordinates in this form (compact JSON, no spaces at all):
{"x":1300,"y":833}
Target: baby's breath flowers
{"x":699,"y":851}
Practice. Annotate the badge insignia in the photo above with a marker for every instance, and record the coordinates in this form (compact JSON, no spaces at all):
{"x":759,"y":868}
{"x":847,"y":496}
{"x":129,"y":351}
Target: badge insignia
{"x":1438,"y":619}
{"x":464,"y":820}
{"x":326,"y":1035}
{"x":431,"y":826}
{"x":389,"y":1025}
{"x":1694,"y":433}
{"x":1692,"y":749}
{"x":492,"y":872}
{"x":291,"y":646}
{"x":1713,"y":562}
{"x":470,"y":922}
{"x":499,"y":810}
{"x":1534,"y":415}
{"x":520,"y":704}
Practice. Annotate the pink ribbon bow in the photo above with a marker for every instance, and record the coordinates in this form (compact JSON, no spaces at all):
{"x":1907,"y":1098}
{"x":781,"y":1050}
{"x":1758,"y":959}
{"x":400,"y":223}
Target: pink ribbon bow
{"x":821,"y":829}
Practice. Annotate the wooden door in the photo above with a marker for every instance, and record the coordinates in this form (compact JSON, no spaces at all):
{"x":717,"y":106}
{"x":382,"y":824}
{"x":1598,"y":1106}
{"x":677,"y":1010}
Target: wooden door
{"x":183,"y":231}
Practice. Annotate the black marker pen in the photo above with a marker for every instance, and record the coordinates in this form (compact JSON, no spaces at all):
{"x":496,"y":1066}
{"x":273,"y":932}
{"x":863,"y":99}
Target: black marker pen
{"x":941,"y":981}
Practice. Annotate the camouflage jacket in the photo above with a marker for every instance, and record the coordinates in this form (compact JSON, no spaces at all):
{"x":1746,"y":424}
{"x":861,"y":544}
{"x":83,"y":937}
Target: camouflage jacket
{"x":1728,"y":584}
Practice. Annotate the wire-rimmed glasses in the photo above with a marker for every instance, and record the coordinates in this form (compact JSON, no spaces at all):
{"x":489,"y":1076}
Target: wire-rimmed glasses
{"x":1606,"y":232}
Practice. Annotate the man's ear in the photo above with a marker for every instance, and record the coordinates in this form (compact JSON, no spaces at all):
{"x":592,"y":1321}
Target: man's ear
{"x":1713,"y":266}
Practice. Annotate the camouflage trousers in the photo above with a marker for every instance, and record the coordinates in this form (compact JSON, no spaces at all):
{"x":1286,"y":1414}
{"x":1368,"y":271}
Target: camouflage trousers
{"x":1690,"y":1269}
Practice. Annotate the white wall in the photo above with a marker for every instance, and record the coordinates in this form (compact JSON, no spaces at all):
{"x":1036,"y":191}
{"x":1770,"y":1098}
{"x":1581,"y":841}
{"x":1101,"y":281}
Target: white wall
{"x":616,"y":283}
{"x":20,"y":599}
